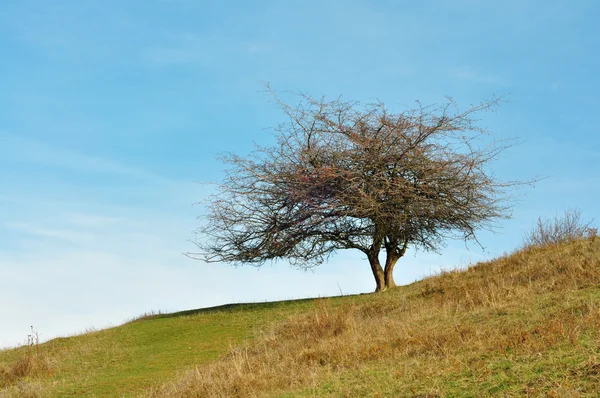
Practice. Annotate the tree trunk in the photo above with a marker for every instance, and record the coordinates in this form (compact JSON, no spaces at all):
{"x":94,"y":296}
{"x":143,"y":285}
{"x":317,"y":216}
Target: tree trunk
{"x":390,"y":262}
{"x":393,"y":254}
{"x":377,"y":273}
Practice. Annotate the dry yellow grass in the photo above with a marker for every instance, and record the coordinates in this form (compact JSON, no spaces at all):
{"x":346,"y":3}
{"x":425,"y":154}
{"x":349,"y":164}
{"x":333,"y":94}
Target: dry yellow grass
{"x":527,"y":324}
{"x":31,"y":365}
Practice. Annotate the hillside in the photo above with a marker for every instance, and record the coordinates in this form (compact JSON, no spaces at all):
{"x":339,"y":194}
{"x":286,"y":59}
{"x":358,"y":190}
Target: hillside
{"x":526,"y":324}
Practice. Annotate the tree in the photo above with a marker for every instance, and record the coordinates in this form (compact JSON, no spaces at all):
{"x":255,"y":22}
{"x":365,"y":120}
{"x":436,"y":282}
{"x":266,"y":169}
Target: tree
{"x":346,"y":176}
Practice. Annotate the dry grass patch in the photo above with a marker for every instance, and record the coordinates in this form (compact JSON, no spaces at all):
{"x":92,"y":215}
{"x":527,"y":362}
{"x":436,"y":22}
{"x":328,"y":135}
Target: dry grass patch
{"x":523,"y":324}
{"x":29,"y":364}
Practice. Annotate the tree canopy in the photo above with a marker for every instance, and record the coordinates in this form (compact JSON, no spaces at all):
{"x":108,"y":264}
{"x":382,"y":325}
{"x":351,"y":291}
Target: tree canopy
{"x":343,"y":175}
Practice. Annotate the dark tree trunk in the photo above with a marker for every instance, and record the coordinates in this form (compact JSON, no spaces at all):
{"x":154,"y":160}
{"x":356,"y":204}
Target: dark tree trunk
{"x":377,"y":272}
{"x":390,"y":262}
{"x":393,"y":254}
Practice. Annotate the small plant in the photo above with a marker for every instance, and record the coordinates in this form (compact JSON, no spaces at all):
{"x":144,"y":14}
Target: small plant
{"x":33,"y":343}
{"x":33,"y":363}
{"x":563,"y":229}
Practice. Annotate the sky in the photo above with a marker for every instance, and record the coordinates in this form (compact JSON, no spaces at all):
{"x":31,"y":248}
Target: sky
{"x":113,"y":115}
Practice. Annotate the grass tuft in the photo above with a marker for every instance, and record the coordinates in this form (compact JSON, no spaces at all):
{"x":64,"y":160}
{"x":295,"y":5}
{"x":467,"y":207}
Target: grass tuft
{"x":30,"y":364}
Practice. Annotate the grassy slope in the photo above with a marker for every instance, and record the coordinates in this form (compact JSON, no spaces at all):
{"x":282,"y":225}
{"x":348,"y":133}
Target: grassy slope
{"x":525,"y":324}
{"x":130,"y":358}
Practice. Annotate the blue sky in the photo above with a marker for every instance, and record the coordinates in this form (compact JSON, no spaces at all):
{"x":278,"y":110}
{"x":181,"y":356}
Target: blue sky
{"x":112,"y":112}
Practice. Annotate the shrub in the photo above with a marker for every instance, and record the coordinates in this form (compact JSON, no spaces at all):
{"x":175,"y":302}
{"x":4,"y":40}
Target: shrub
{"x":566,"y":228}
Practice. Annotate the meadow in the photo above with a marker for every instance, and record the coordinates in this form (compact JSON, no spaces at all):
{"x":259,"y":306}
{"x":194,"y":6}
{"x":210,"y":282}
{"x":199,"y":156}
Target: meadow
{"x":525,"y":324}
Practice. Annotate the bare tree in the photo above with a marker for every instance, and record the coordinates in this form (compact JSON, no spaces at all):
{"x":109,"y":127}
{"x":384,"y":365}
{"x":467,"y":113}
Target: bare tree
{"x":347,"y":176}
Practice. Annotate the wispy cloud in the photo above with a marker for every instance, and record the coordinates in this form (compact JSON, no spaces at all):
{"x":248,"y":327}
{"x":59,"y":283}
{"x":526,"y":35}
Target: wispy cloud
{"x":466,"y":72}
{"x":204,"y":50}
{"x":19,"y":149}
{"x":40,"y":231}
{"x":93,"y":220}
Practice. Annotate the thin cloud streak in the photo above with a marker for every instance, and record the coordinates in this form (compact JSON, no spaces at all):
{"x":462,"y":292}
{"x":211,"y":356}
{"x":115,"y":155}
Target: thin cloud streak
{"x":62,"y":234}
{"x":27,"y":150}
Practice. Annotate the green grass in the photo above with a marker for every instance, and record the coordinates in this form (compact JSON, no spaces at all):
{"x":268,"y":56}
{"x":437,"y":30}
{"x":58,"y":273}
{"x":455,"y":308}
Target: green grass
{"x":527,"y":324}
{"x":128,"y":359}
